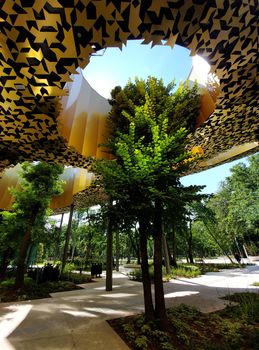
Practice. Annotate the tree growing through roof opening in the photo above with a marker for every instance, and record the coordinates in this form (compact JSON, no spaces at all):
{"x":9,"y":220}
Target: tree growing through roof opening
{"x":149,"y":124}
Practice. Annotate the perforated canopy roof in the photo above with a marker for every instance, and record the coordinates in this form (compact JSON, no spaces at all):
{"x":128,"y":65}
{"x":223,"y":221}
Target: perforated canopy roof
{"x":43,"y":42}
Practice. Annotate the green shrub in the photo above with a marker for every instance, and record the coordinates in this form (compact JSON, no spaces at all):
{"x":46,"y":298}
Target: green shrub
{"x":161,"y":336}
{"x":8,"y":283}
{"x":132,"y":266}
{"x":146,"y":329}
{"x":183,"y":270}
{"x":184,"y":338}
{"x":248,"y":308}
{"x":129,"y":331}
{"x":184,"y":311}
{"x":140,"y":321}
{"x":69,"y":267}
{"x":135,"y":275}
{"x":167,"y":346}
{"x":32,"y":290}
{"x":188,"y":271}
{"x":76,"y":278}
{"x":28,"y":281}
{"x":233,"y":328}
{"x":141,"y":342}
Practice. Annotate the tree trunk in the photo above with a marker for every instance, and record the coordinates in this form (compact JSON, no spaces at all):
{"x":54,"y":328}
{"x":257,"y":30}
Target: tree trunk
{"x":57,"y":245}
{"x":148,"y":302}
{"x":88,"y":252}
{"x":160,"y":310}
{"x":68,"y":235}
{"x":73,"y":252}
{"x":245,"y":251}
{"x":190,"y":255}
{"x":117,"y":251}
{"x":166,"y":254}
{"x":138,"y":256}
{"x":174,"y":261}
{"x":238,"y":247}
{"x":6,"y":257}
{"x":29,"y":255}
{"x":135,"y":245}
{"x":19,"y":278}
{"x":169,"y":253}
{"x":218,"y":242}
{"x":109,"y":260}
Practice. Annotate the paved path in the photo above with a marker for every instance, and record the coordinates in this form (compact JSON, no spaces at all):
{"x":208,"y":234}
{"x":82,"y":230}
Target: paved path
{"x":76,"y":320}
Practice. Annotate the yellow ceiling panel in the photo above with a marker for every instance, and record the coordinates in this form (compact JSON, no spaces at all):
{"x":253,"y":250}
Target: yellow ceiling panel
{"x":44,"y":42}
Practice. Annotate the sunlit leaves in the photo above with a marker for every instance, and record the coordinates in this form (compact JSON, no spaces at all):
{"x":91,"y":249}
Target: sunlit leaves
{"x":150,"y":124}
{"x":236,"y":203}
{"x":39,"y":183}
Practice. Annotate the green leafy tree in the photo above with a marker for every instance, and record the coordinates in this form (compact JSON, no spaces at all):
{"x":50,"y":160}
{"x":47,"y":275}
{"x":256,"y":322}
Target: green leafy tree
{"x":236,"y":203}
{"x":205,"y":214}
{"x":39,"y":183}
{"x":178,"y":220}
{"x":203,"y":244}
{"x":87,"y":242}
{"x":148,"y":141}
{"x":52,"y":240}
{"x":9,"y":234}
{"x":91,"y":237}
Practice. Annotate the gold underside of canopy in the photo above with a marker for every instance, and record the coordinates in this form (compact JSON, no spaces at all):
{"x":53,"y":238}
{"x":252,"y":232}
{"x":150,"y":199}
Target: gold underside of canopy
{"x":44,"y":116}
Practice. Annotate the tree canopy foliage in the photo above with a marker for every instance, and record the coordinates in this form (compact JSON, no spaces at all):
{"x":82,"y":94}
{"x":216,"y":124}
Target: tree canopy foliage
{"x":39,"y":183}
{"x":148,"y":138}
{"x":236,"y":204}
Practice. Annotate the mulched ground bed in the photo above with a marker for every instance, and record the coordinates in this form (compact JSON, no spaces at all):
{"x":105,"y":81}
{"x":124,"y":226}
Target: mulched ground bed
{"x":234,"y":328}
{"x":34,"y":291}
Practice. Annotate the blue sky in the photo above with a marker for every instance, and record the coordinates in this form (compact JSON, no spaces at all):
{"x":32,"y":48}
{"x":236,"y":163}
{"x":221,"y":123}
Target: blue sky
{"x":211,"y":177}
{"x":116,"y":67}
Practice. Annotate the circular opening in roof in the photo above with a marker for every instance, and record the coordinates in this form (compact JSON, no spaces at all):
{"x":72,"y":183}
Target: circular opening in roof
{"x":116,"y":67}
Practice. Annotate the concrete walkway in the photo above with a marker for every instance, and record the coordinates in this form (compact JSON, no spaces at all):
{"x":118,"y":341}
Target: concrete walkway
{"x":76,"y":320}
